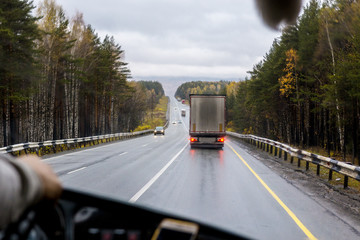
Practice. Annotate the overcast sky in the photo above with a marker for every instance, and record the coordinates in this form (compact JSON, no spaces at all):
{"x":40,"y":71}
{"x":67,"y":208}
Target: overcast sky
{"x":193,"y":38}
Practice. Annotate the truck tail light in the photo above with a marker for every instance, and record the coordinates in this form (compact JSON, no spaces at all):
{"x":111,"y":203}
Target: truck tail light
{"x":193,"y":139}
{"x":222,"y":139}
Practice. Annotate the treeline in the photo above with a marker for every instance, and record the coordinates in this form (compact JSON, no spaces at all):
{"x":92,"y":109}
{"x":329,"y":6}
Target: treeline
{"x":154,"y":91}
{"x":153,"y":86}
{"x":221,"y":87}
{"x":306,"y":90}
{"x":58,"y":79}
{"x":200,"y":87}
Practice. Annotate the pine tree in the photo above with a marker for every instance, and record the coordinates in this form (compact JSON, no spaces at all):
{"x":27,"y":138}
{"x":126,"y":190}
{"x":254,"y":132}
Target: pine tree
{"x":18,"y":31}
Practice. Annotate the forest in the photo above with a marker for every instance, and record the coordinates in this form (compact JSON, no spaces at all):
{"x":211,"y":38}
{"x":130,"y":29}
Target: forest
{"x":59,"y":79}
{"x":154,"y":92}
{"x":306,"y":90}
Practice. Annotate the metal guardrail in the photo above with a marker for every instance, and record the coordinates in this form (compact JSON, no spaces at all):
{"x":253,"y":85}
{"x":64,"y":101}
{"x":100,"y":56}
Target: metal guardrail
{"x":278,"y":148}
{"x":54,"y":146}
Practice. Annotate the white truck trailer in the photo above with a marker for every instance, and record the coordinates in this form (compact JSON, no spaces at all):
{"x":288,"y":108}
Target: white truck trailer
{"x":207,"y":120}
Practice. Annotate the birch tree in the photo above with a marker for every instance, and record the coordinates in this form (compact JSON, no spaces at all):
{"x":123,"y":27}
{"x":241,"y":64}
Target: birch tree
{"x":55,"y":47}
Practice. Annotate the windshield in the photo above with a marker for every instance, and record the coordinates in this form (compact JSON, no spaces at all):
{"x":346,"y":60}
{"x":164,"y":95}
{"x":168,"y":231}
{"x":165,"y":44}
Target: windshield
{"x":214,"y":78}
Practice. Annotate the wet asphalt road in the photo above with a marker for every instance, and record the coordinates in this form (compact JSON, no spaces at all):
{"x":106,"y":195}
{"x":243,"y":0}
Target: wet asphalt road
{"x":214,"y":186}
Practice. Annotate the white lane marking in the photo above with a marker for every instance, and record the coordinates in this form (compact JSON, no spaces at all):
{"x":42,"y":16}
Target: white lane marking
{"x":145,"y":145}
{"x":73,"y":153}
{"x":76,"y":170}
{"x":151,"y":182}
{"x":53,"y":158}
{"x":183,"y":123}
{"x":123,"y":153}
{"x":84,"y":150}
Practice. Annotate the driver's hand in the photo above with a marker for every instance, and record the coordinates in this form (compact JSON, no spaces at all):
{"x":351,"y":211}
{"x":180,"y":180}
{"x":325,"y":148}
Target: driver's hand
{"x":51,"y":184}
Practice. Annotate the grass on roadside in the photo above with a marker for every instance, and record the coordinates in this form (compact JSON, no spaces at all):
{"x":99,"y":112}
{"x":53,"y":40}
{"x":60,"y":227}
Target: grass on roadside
{"x":337,"y":178}
{"x":334,"y":155}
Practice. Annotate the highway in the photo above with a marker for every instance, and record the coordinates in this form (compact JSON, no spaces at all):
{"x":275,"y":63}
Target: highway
{"x":228,"y":188}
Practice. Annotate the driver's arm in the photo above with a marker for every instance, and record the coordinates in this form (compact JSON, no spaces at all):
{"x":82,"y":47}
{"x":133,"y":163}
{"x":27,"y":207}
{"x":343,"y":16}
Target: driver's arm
{"x":23,"y":182}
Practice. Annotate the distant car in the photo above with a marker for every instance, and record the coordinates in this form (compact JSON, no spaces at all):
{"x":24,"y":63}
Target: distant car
{"x":173,"y":122}
{"x":179,"y":121}
{"x":183,"y":112}
{"x":159,"y":130}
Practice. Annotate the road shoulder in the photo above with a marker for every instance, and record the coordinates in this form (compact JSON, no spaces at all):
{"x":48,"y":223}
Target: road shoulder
{"x":344,"y":204}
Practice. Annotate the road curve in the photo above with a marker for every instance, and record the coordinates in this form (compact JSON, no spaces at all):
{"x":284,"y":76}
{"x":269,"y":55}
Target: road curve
{"x":222,"y":187}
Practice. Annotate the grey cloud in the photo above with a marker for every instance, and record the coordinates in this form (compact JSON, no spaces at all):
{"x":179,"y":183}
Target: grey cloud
{"x":171,"y":34}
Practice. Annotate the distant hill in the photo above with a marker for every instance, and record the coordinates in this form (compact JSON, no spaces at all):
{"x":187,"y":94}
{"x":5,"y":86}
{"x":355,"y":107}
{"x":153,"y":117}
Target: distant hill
{"x":170,"y":84}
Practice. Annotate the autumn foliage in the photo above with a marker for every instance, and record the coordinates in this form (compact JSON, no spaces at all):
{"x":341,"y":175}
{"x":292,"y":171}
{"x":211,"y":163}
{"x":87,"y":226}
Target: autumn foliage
{"x":306,"y":90}
{"x":288,"y":81}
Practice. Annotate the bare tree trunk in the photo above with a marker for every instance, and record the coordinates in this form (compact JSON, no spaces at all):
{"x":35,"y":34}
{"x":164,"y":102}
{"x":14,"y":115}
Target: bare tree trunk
{"x":337,"y":106}
{"x":307,"y":122}
{"x":354,"y":132}
{"x":5,"y":120}
{"x":2,"y":125}
{"x":76,"y":109}
{"x":67,"y":125}
{"x":103,"y":114}
{"x":52,"y":109}
{"x":14,"y":123}
{"x":31,"y":125}
{"x":43,"y":108}
{"x":22,"y":117}
{"x":288,"y":128}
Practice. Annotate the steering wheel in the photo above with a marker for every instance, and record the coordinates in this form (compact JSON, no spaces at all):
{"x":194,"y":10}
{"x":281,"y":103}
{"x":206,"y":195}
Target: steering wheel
{"x":76,"y":215}
{"x":43,"y":221}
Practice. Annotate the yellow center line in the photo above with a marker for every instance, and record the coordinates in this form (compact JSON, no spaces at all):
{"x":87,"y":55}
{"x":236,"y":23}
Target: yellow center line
{"x":282,"y":204}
